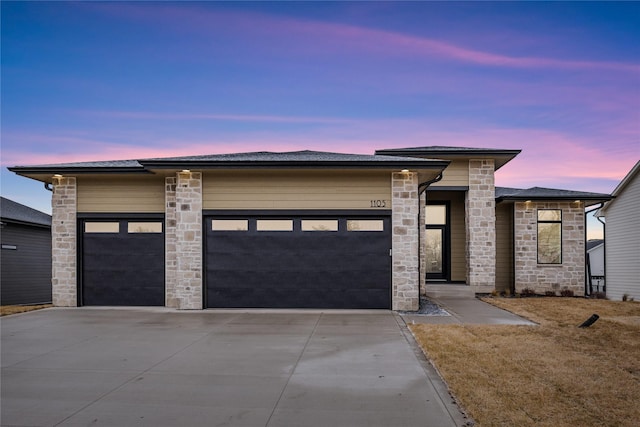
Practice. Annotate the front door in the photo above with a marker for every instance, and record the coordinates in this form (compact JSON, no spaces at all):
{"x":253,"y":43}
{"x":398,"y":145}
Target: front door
{"x":437,"y":241}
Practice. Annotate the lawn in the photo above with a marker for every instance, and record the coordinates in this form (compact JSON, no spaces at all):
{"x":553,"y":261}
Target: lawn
{"x":554,"y":374}
{"x":5,"y":310}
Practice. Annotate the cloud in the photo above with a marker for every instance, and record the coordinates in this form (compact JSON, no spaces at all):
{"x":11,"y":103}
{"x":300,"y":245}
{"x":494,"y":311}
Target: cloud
{"x":315,"y":37}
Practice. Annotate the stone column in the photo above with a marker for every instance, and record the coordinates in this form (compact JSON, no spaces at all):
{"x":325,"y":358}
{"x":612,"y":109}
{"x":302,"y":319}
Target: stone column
{"x":63,"y":242}
{"x":188,"y":240}
{"x":405,"y":277}
{"x":480,"y":219}
{"x":171,"y":263}
{"x":422,"y":245}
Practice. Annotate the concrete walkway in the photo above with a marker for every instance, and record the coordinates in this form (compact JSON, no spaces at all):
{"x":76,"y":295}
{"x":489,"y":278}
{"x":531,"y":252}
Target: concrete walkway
{"x":159,"y":367}
{"x":465,"y":310}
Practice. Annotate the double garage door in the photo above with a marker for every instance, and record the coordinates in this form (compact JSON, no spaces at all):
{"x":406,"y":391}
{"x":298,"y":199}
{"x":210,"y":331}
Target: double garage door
{"x":249,"y":261}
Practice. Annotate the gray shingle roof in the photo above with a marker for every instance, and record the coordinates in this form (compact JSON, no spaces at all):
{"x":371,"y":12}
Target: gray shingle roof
{"x":247,"y":160}
{"x":13,"y":211}
{"x":540,"y":193}
{"x":290,"y":156}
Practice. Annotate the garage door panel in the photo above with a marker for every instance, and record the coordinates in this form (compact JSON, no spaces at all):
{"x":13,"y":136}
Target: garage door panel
{"x":298,"y":269}
{"x":122,"y":269}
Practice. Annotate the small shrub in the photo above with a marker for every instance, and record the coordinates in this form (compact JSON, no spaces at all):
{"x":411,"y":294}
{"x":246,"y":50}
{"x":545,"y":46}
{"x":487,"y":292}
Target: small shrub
{"x":494,"y":293}
{"x":566,"y":293}
{"x":599,"y":295}
{"x":550,"y":293}
{"x":527,"y":292}
{"x":626,"y":297}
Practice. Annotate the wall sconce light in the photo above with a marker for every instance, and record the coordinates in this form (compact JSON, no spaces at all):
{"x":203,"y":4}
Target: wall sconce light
{"x":185,"y":171}
{"x":57,"y":175}
{"x":405,"y":171}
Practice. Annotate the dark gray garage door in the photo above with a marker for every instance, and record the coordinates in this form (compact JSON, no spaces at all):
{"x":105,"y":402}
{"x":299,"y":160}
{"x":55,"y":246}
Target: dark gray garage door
{"x":298,"y":261}
{"x":122,"y":262}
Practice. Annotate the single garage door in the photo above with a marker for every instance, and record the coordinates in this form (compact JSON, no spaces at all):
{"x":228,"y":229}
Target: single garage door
{"x":298,"y":262}
{"x":122,"y":262}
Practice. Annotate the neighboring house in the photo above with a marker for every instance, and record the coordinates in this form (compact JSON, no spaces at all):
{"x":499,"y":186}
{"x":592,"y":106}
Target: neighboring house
{"x":25,"y":258}
{"x":622,"y":234}
{"x":595,"y":264}
{"x":306,"y":229}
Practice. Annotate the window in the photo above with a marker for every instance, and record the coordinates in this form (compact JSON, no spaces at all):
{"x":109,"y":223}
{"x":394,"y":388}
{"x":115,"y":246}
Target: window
{"x":549,"y":236}
{"x":365,"y":225}
{"x":436,"y":214}
{"x":229,"y":224}
{"x":319,"y":225}
{"x":144,"y":227}
{"x":101,"y":227}
{"x":274,"y":225}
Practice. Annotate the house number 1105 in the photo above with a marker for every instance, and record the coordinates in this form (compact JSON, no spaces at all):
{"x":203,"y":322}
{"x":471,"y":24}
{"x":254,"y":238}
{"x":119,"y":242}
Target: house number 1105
{"x":378,"y":203}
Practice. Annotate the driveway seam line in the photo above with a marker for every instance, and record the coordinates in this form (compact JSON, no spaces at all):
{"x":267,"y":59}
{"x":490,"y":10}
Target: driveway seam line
{"x":457,"y":416}
{"x":293,"y":370}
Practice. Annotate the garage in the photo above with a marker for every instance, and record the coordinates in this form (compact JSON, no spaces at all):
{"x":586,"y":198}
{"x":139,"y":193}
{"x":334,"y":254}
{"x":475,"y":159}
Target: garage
{"x":122,"y":262}
{"x":279,"y":260}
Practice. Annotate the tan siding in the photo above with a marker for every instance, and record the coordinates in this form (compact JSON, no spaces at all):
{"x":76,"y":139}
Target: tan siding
{"x":295,"y":190}
{"x":455,"y":175}
{"x":109,"y":194}
{"x":504,"y":247}
{"x":458,"y":231}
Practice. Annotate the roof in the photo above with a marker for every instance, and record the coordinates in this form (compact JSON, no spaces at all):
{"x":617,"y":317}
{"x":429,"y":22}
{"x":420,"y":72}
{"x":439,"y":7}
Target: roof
{"x":540,"y":193}
{"x":15,"y":212}
{"x":594,"y":243}
{"x":620,"y":187}
{"x":262,"y":159}
{"x":501,"y":156}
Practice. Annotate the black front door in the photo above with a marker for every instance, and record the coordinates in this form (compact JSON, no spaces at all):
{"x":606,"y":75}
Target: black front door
{"x":298,"y":262}
{"x":122,"y":262}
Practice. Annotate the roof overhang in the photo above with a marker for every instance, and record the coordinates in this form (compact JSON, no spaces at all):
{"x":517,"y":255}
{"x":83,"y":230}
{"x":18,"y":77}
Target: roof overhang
{"x":500,"y":156}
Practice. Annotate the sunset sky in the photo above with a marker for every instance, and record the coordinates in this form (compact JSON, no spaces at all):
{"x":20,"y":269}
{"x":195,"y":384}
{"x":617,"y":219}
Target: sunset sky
{"x":114,"y":80}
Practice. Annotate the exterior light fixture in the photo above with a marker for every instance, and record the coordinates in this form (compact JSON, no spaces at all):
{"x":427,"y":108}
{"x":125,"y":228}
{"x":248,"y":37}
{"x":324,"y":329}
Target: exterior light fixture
{"x":57,"y":175}
{"x":185,"y":171}
{"x":404,"y":170}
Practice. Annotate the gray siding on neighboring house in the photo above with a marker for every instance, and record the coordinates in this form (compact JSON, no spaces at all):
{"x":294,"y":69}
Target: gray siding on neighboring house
{"x":622,"y":246}
{"x":26,"y":270}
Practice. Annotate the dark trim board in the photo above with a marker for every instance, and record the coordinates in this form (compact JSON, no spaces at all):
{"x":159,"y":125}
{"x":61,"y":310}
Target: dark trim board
{"x":296,"y":212}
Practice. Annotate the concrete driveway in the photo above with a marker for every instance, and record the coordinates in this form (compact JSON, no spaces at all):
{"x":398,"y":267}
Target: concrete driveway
{"x":158,"y":367}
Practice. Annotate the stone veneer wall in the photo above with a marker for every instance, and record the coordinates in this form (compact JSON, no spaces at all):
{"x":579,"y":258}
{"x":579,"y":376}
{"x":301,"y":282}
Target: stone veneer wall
{"x":405,"y":276}
{"x":171,"y":261}
{"x":423,"y":242}
{"x":480,"y":220}
{"x":188,"y":241}
{"x":64,"y":242}
{"x":549,"y":277}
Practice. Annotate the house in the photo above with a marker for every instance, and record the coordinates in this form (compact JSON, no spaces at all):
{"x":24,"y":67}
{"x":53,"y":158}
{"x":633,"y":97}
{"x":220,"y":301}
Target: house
{"x":595,"y":265}
{"x":25,"y":257}
{"x":622,"y":233}
{"x":306,"y":229}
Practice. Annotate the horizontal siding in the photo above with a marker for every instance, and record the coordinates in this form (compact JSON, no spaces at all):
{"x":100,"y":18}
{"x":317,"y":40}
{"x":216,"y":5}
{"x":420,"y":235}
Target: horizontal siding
{"x":504,"y":247}
{"x":622,"y":246}
{"x":295,"y":190}
{"x":138,"y":194}
{"x":455,"y":175}
{"x":25,"y":272}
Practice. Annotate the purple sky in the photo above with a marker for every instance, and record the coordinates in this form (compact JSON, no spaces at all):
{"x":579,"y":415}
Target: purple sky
{"x":89,"y":81}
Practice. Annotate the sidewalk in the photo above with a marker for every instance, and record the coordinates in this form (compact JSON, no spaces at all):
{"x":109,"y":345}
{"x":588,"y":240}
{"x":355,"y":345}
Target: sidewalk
{"x":463,"y":310}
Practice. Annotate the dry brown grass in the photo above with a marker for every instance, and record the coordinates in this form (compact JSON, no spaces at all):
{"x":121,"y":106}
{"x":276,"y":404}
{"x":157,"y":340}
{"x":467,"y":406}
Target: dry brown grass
{"x":6,"y":310}
{"x":554,"y":374}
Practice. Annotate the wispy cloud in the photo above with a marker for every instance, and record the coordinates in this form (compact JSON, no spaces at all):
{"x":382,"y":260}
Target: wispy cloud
{"x":313,"y":37}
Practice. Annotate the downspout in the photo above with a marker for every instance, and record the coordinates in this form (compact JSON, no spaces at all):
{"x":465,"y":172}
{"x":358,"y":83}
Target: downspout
{"x":604,"y":248}
{"x":422,"y":187}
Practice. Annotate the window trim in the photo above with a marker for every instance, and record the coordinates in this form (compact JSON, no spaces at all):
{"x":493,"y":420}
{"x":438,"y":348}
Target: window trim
{"x":548,"y":221}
